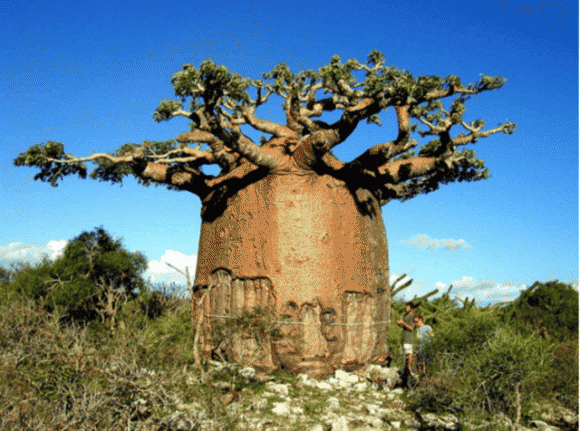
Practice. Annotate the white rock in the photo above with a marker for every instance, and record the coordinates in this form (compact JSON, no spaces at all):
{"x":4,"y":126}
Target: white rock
{"x":332,"y":381}
{"x":372,"y":409}
{"x":543,"y":426}
{"x":297,"y":410}
{"x":375,"y":370}
{"x":396,"y":424}
{"x":570,"y":419}
{"x":375,"y":422}
{"x":281,"y":409}
{"x":279,"y":388}
{"x":324,"y":386}
{"x":345,"y":376}
{"x":260,"y":404}
{"x":339,"y":424}
{"x":339,"y":383}
{"x":361,"y":386}
{"x":317,"y":428}
{"x":382,"y":413}
{"x":332,"y":403}
{"x":248,"y":373}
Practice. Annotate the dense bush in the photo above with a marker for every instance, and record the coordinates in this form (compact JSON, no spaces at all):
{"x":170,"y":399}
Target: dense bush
{"x":550,"y":309}
{"x":500,"y":360}
{"x":483,"y":367}
{"x":85,"y":377}
{"x":564,"y":380}
{"x":93,"y":278}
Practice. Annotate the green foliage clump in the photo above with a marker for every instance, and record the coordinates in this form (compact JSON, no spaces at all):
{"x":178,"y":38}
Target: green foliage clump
{"x":549,"y":308}
{"x":564,"y":381}
{"x":482,"y":366}
{"x":94,"y":277}
{"x":254,"y":327}
{"x":172,"y":338}
{"x":469,"y":329}
{"x":492,"y":360}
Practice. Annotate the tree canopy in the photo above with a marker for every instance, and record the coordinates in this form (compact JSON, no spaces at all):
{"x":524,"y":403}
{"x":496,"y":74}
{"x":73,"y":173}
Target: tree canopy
{"x":221,"y":105}
{"x":551,"y":306}
{"x":95,"y":275}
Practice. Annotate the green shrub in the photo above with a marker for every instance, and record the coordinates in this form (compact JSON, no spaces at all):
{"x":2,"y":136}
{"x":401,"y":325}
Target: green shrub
{"x":462,"y":334}
{"x":93,"y":278}
{"x":481,"y":366}
{"x":564,"y":380}
{"x":548,"y":308}
{"x":510,"y":371}
{"x":172,"y":337}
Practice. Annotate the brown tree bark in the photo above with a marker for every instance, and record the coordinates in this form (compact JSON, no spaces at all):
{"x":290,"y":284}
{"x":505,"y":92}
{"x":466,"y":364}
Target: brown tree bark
{"x":326,"y":260}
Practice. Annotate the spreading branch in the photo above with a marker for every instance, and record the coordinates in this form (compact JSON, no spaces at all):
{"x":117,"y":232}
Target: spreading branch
{"x":222,"y":106}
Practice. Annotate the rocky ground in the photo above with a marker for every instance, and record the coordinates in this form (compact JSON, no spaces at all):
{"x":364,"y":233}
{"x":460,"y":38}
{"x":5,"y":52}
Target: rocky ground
{"x":367,"y":400}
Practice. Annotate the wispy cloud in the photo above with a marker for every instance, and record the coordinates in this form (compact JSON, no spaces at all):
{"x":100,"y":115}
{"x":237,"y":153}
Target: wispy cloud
{"x":30,"y":253}
{"x":424,"y":242}
{"x":485,"y":291}
{"x":159,"y":272}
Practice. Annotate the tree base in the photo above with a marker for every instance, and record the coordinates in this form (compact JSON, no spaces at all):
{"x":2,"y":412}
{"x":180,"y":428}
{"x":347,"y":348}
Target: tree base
{"x":242,"y":323}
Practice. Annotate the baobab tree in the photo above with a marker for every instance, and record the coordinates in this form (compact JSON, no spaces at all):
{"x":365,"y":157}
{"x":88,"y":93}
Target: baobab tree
{"x":285,"y":224}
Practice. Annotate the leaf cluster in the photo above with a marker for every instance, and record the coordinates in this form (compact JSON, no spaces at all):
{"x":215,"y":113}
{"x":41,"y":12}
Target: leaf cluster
{"x":44,"y":157}
{"x":206,"y":85}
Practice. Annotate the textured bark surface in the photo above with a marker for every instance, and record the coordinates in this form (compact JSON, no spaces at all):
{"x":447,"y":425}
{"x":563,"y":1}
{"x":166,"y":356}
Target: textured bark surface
{"x":299,"y":245}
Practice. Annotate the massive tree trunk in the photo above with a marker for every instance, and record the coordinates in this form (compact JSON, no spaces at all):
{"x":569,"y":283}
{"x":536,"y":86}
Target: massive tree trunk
{"x":300,"y":245}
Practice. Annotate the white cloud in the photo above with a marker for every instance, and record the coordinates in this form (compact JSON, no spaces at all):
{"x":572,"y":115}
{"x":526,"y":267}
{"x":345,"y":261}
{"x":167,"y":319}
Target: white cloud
{"x":30,"y":253}
{"x":159,"y":272}
{"x":484,"y":291}
{"x":423,"y":242}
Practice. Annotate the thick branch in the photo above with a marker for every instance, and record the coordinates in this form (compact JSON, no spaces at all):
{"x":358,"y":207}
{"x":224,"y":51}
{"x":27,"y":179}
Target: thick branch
{"x":183,"y":178}
{"x":236,"y":174}
{"x":237,"y":141}
{"x":381,"y":153}
{"x":293,"y":119}
{"x":270,"y":127}
{"x":220,"y":152}
{"x":196,"y":136}
{"x":403,"y":170}
{"x":230,"y":134}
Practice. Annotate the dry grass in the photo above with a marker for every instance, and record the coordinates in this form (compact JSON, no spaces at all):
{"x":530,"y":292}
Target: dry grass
{"x":84,"y":378}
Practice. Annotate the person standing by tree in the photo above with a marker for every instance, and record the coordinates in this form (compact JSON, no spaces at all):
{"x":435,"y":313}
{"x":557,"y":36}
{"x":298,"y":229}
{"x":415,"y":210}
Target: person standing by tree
{"x":424,"y":334}
{"x":407,"y":325}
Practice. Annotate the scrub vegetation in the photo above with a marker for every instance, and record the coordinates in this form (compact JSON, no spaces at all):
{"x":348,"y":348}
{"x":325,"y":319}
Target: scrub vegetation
{"x":86,"y":344}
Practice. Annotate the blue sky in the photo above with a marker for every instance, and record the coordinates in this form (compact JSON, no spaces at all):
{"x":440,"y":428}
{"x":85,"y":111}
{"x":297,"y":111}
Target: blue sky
{"x":90,"y":75}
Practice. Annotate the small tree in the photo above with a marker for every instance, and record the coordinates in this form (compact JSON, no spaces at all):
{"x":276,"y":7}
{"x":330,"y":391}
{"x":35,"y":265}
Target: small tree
{"x":550,"y":309}
{"x":93,"y":278}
